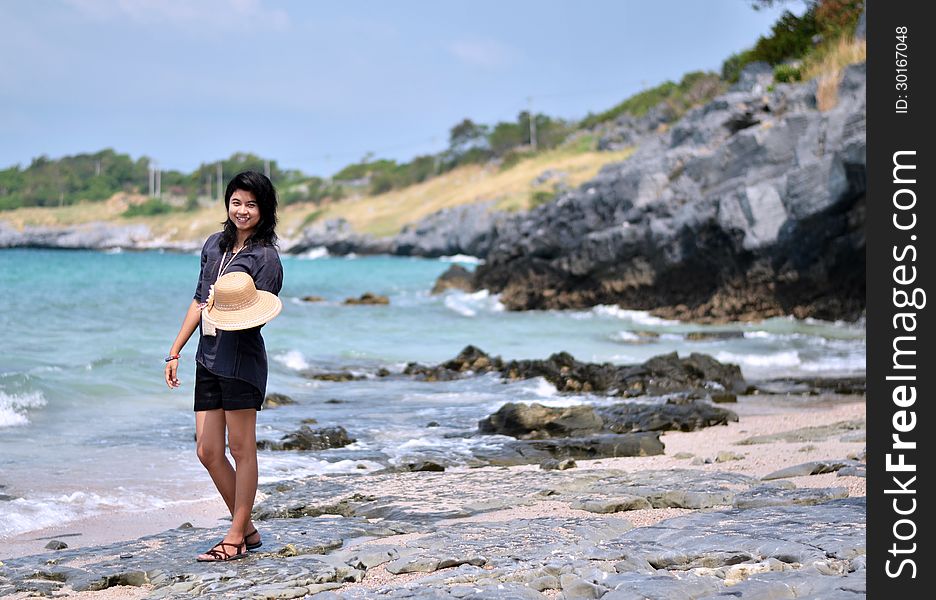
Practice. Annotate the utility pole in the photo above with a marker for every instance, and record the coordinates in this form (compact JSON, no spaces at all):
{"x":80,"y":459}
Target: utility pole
{"x":266,"y":168}
{"x":158,"y":181}
{"x":220,"y":183}
{"x":532,"y":124}
{"x":152,"y":180}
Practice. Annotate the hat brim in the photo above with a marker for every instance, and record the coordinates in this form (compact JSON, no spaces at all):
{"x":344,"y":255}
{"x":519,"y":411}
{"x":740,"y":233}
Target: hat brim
{"x":263,"y":311}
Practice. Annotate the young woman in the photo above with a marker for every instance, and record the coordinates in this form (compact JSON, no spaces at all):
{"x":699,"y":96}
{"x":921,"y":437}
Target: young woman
{"x":231,"y":366}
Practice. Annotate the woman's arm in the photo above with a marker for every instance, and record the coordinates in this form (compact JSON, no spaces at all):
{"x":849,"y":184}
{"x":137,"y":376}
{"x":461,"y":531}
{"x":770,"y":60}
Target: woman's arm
{"x":189,"y":325}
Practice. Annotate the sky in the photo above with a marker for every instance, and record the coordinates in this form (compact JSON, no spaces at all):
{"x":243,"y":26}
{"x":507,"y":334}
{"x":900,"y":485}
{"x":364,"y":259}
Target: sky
{"x":317,"y":85}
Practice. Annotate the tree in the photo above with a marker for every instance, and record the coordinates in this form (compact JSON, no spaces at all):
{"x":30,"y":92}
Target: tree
{"x":466,"y":135}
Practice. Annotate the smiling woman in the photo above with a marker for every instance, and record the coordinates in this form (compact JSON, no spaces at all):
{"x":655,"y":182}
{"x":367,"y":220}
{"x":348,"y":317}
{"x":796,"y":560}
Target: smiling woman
{"x":231,"y":365}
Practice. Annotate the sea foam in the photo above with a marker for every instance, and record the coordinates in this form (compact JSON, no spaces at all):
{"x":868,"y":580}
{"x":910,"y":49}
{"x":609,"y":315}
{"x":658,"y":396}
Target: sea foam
{"x":470,"y":304}
{"x":462,"y":258}
{"x":14,"y":407}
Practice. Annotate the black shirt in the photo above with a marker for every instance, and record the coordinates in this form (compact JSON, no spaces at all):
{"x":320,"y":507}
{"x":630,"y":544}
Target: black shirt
{"x":238,"y":354}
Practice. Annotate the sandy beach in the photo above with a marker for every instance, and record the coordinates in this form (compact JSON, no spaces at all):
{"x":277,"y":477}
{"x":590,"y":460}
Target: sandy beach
{"x":758,"y":416}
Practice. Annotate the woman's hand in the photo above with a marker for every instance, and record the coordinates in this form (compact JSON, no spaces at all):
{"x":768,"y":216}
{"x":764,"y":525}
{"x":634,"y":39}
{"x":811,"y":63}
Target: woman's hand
{"x":172,"y":368}
{"x":189,"y":325}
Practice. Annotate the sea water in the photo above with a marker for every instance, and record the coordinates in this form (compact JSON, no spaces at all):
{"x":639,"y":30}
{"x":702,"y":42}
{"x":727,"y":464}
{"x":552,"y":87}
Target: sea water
{"x":88,"y":425}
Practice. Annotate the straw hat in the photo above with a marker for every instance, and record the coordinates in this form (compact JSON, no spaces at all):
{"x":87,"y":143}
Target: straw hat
{"x":235,"y":303}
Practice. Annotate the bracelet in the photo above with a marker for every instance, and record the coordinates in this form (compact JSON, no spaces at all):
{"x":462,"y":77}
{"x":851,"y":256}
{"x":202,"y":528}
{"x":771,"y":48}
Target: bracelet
{"x":172,"y":357}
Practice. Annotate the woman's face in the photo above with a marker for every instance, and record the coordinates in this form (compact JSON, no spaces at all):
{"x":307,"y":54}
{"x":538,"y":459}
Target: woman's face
{"x":244,"y":212}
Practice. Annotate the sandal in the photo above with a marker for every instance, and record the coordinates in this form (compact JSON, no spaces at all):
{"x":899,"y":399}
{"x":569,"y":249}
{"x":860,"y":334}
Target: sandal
{"x":219,"y":554}
{"x":255,"y":545}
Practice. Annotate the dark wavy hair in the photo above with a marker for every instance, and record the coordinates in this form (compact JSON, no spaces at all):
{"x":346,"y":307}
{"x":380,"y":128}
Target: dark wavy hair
{"x":262,"y":188}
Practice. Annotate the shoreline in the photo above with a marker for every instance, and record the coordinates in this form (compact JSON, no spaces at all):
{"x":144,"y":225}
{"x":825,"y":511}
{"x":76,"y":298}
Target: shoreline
{"x":758,"y":415}
{"x":111,"y":527}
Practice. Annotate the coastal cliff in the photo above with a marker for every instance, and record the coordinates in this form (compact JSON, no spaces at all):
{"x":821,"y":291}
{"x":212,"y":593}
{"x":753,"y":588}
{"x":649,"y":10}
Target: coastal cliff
{"x":751,"y":206}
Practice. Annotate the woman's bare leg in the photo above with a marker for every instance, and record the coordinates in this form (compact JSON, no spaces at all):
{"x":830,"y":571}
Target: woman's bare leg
{"x":209,"y":434}
{"x":242,"y":440}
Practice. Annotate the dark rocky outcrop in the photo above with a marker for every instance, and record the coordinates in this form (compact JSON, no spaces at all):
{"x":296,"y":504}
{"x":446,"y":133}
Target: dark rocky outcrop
{"x":629,"y":417}
{"x":605,"y":445}
{"x":276,"y":400}
{"x":813,"y":385}
{"x":455,"y":277}
{"x":368,"y":298}
{"x":306,"y":438}
{"x":535,"y":421}
{"x":697,"y":376}
{"x":748,"y":207}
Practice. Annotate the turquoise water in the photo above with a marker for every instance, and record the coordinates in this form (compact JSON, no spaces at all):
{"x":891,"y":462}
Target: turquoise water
{"x":87,"y":423}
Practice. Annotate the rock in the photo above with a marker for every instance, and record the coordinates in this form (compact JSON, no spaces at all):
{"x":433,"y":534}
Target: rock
{"x":819,"y":549}
{"x":91,"y":236}
{"x":343,"y":376}
{"x":426,"y":465}
{"x":625,"y":417}
{"x":810,"y":468}
{"x":306,"y":438}
{"x":853,"y":471}
{"x":312,"y":299}
{"x":754,"y":78}
{"x":750,"y":206}
{"x":806,"y":434}
{"x":813,"y":385}
{"x":683,"y":455}
{"x":772,"y":496}
{"x":456,"y":277}
{"x":535,"y":421}
{"x":612,"y":505}
{"x":858,"y":455}
{"x":56,"y":545}
{"x":727,"y":456}
{"x":368,"y":298}
{"x":520,"y":452}
{"x":695,"y":336}
{"x":551,"y":464}
{"x":276,"y":400}
{"x":697,"y":376}
{"x":723,"y":398}
{"x":466,"y":229}
{"x":337,"y":236}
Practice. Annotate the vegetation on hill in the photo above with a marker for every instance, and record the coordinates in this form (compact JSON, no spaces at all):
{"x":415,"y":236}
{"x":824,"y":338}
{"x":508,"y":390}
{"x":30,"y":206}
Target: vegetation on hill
{"x":794,"y":38}
{"x":693,"y":89}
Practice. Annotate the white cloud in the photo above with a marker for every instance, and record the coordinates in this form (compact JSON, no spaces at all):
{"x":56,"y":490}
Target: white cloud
{"x":186,"y":14}
{"x":488,"y":54}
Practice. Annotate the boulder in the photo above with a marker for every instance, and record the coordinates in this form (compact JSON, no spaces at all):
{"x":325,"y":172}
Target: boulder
{"x":368,"y":298}
{"x":456,"y":277}
{"x":306,"y":438}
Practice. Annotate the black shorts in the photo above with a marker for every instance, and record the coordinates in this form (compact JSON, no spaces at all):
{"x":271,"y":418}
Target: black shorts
{"x":213,"y":392}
